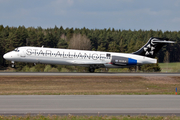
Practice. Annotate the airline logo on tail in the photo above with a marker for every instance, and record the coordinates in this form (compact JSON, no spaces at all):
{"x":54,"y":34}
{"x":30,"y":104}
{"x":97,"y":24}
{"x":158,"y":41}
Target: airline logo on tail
{"x":149,"y":49}
{"x":152,"y":47}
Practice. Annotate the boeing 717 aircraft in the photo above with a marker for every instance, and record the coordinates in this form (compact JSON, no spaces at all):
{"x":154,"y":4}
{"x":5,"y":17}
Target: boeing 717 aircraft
{"x":91,"y":59}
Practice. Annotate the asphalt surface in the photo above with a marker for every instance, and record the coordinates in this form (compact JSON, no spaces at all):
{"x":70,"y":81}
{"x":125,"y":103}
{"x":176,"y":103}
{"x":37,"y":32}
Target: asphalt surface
{"x":90,"y":104}
{"x":85,"y":74}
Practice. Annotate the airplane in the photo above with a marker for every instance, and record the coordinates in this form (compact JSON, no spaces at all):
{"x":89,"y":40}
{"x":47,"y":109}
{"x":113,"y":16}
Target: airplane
{"x":91,"y":59}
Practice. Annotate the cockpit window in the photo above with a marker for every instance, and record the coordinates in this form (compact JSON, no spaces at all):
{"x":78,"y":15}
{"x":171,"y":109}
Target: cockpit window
{"x":16,"y":50}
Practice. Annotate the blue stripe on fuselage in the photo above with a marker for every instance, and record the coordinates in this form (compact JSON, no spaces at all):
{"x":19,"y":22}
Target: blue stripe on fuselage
{"x":132,"y":61}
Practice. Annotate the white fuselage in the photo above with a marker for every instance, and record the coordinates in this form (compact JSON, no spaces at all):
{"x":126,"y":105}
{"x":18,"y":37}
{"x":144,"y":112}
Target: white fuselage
{"x":74,"y":57}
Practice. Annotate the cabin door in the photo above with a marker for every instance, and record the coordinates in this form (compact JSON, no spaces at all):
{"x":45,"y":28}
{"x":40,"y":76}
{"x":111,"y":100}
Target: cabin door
{"x":22,"y":53}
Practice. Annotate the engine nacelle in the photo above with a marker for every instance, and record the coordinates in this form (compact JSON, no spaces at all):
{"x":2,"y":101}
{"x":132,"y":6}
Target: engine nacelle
{"x":121,"y":61}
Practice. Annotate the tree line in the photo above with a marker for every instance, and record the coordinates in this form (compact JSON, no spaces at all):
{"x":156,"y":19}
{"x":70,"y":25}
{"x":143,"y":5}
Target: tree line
{"x":110,"y":40}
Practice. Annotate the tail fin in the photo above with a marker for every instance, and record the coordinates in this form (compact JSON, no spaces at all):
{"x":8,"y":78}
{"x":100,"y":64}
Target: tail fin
{"x":151,"y":48}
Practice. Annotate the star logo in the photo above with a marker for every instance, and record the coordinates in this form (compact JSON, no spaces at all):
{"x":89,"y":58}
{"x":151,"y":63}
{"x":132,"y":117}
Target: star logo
{"x":149,"y":49}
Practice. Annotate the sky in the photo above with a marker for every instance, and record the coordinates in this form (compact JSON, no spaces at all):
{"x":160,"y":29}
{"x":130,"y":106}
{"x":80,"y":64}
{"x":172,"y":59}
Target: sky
{"x":92,"y":14}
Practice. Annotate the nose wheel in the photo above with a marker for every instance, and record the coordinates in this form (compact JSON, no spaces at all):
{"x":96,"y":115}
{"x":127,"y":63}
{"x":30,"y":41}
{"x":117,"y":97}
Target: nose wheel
{"x":12,"y":64}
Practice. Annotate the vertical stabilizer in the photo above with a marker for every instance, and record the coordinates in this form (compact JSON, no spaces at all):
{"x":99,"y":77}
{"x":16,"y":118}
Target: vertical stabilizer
{"x":151,"y":48}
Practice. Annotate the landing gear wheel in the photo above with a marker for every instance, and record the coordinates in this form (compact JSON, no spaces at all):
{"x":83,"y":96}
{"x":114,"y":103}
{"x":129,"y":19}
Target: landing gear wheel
{"x":91,"y":70}
{"x":12,"y":64}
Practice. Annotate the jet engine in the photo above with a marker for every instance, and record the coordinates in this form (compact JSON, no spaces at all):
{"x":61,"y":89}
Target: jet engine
{"x":121,"y":61}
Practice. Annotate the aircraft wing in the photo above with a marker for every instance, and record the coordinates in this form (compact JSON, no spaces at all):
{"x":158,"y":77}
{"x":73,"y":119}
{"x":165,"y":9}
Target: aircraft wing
{"x":87,"y":63}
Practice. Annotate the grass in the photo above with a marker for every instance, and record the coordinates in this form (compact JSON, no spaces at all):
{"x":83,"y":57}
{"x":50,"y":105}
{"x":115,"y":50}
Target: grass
{"x":87,"y":85}
{"x":71,"y":117}
{"x":170,"y":67}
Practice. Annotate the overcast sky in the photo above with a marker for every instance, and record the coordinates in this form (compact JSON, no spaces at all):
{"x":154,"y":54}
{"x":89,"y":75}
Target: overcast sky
{"x":119,"y":14}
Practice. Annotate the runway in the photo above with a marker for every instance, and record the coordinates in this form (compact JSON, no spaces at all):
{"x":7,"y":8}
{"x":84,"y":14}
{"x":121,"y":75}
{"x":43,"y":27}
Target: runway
{"x":84,"y":74}
{"x":90,"y":104}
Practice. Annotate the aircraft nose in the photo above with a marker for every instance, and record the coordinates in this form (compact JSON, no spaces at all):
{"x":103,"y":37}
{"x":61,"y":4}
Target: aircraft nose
{"x":7,"y":56}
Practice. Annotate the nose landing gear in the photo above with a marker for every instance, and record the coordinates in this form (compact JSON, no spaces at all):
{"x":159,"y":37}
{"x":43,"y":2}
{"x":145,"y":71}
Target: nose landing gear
{"x":12,"y":64}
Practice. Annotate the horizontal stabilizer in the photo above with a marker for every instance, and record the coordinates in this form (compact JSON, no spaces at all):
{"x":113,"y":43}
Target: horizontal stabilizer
{"x":163,"y":42}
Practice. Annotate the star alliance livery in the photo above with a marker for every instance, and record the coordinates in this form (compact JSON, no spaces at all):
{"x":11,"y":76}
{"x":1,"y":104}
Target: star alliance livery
{"x":91,"y":59}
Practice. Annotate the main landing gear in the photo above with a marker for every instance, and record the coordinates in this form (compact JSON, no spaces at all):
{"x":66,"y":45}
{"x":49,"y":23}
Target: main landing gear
{"x":91,"y":69}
